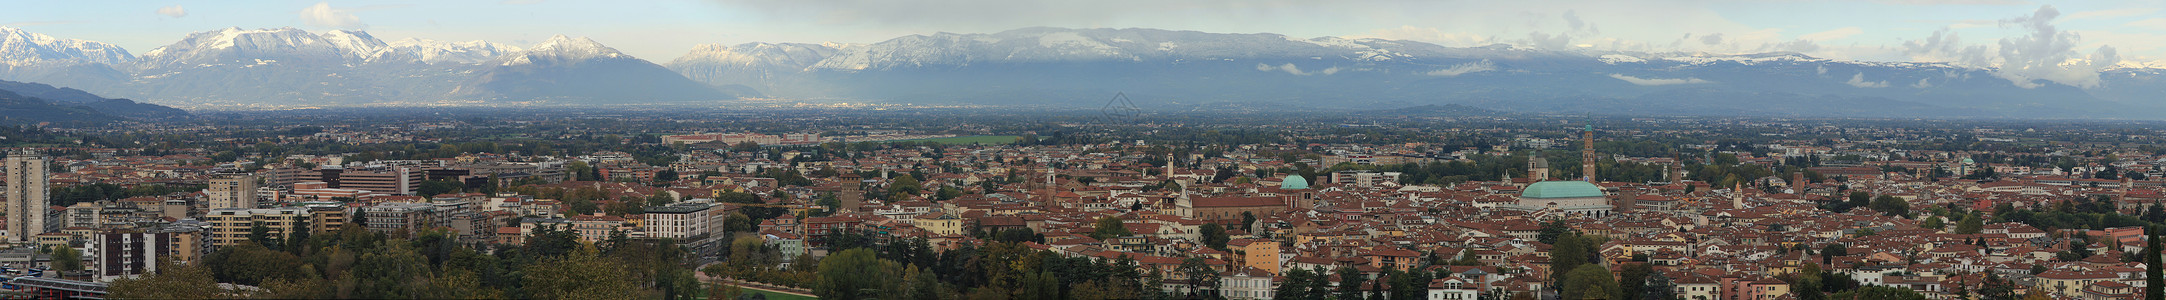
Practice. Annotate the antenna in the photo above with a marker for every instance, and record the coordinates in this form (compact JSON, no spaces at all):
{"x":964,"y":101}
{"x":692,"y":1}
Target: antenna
{"x":1120,"y":109}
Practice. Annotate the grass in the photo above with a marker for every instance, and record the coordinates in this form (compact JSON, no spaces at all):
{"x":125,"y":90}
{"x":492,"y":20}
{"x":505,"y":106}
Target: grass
{"x":967,"y":140}
{"x":777,"y":296}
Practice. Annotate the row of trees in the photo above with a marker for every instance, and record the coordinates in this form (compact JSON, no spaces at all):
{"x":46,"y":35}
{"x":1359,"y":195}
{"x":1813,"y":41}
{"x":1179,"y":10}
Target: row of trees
{"x":353,"y":262}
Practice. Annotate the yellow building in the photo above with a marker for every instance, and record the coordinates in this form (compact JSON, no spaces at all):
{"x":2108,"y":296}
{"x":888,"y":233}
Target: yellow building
{"x":939,"y":223}
{"x":1257,"y":253}
{"x":231,"y":226}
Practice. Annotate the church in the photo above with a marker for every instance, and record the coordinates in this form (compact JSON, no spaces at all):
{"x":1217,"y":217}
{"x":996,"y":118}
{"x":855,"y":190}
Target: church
{"x":1580,"y":197}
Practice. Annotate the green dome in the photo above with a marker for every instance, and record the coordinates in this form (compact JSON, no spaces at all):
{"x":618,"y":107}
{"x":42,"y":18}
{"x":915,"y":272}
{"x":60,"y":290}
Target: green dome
{"x":1561,"y":189}
{"x":1294,"y":182}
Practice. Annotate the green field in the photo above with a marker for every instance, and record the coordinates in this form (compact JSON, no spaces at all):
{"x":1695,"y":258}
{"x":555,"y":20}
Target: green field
{"x":777,"y":296}
{"x":967,"y":140}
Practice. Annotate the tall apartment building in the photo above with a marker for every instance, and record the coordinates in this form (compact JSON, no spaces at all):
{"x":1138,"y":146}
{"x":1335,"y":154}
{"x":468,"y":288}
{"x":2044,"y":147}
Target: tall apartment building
{"x":679,"y":221}
{"x":232,"y":191}
{"x":126,"y":254}
{"x":28,"y":177}
{"x":231,"y":226}
{"x":390,"y":180}
{"x":400,"y":218}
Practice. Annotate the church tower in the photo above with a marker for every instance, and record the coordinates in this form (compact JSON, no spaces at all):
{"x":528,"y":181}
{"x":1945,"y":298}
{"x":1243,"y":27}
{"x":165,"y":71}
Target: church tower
{"x":1586,"y":155}
{"x":1537,"y":169}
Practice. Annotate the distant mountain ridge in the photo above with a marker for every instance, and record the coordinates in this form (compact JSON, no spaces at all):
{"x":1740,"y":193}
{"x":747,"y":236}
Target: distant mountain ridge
{"x":290,"y":68}
{"x":23,"y":102}
{"x":1160,"y":69}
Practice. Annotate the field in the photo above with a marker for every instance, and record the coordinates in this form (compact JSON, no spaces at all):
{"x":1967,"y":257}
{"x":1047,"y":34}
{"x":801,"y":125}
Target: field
{"x":967,"y":140}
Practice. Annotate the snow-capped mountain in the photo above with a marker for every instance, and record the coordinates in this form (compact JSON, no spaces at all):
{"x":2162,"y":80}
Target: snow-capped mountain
{"x":1079,"y":67}
{"x":566,"y":69}
{"x":20,"y":48}
{"x":436,"y":52}
{"x":288,"y":67}
{"x":764,"y":65}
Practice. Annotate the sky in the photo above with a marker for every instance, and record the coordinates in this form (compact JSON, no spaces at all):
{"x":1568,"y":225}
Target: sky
{"x":2015,"y":34}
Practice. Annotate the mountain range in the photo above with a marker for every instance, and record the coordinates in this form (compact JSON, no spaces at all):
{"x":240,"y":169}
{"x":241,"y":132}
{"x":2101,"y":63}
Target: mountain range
{"x":1057,"y":67}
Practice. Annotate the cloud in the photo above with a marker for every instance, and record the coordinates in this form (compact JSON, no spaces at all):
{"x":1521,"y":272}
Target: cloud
{"x":1832,"y":34}
{"x":1859,"y":81}
{"x":2047,"y":53}
{"x":1800,"y":46}
{"x":1546,"y":41}
{"x":34,"y":23}
{"x":2112,"y":13}
{"x":1657,"y":81}
{"x":1923,"y":83}
{"x":1430,"y":35}
{"x":1291,"y":69}
{"x":2152,"y":23}
{"x":173,"y":11}
{"x":1711,"y":40}
{"x":1954,"y":2}
{"x":322,"y":15}
{"x":1821,"y":69}
{"x":1463,"y":69}
{"x":1571,"y":18}
{"x":520,"y":2}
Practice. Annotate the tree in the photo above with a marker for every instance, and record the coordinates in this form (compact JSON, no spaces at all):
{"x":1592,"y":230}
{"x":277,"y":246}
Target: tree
{"x":2154,"y":276}
{"x":1568,"y":254}
{"x":1860,"y":199}
{"x":853,"y":274}
{"x":1889,"y":293}
{"x":1831,"y":251}
{"x":1552,"y":230}
{"x":665,"y":175}
{"x":746,"y":146}
{"x":1349,"y":283}
{"x":595,"y":278}
{"x":66,"y":258}
{"x":1214,"y":236}
{"x":1248,"y":221}
{"x":1297,"y":285}
{"x":1109,"y":227}
{"x":1589,"y":281}
{"x":438,"y":187}
{"x":1632,"y":281}
{"x":1970,"y":224}
{"x":1891,"y":205}
{"x":172,"y":281}
{"x":1933,"y":222}
{"x":1807,"y":285}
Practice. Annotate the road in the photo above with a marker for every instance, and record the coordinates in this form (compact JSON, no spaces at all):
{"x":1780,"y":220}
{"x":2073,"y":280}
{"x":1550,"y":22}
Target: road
{"x":702,"y":276}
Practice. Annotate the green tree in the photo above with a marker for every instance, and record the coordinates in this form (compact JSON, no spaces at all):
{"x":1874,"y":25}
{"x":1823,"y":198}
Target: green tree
{"x":1933,"y":222}
{"x":1632,"y":281}
{"x":172,"y":281}
{"x":854,"y":274}
{"x":1570,"y":251}
{"x":1807,"y":285}
{"x":1891,"y":205}
{"x":438,"y":187}
{"x":1108,"y":227}
{"x":1589,"y":281}
{"x":1885,"y":293}
{"x":1214,"y":236}
{"x":66,"y":258}
{"x":746,"y":146}
{"x":1970,"y":224}
{"x":583,"y":274}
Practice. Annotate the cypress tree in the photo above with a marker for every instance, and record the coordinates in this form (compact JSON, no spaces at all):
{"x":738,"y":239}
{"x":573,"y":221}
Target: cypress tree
{"x":2154,"y":282}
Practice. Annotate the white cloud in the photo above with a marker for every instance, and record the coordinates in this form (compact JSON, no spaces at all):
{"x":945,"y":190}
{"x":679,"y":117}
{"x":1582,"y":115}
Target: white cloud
{"x":1923,"y":83}
{"x":1859,"y":81}
{"x":2152,"y":23}
{"x":1657,"y":81}
{"x":1838,"y":33}
{"x":1291,"y":69}
{"x":173,"y":11}
{"x":2112,"y":13}
{"x":1463,"y":69}
{"x":322,"y":15}
{"x":1430,"y":35}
